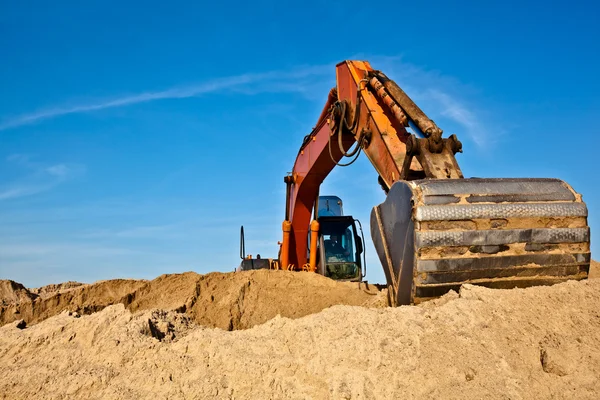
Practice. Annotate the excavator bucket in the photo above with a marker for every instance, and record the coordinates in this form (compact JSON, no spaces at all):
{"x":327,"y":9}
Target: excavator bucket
{"x":434,"y":235}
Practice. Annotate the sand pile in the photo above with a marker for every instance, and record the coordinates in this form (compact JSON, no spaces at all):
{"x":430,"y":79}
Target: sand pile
{"x":538,"y":342}
{"x":13,"y":293}
{"x":594,"y":270}
{"x":85,"y":300}
{"x":160,"y":338}
{"x":51,"y":290}
{"x":226,"y":301}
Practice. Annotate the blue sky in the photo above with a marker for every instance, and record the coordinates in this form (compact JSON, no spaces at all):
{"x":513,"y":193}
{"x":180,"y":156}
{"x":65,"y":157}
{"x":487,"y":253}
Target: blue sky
{"x":135,"y":138}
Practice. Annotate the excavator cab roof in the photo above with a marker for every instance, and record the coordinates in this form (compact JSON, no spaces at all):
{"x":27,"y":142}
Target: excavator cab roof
{"x":330,"y":206}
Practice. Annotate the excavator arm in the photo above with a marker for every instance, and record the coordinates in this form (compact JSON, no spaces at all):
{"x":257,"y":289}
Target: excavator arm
{"x":436,"y":230}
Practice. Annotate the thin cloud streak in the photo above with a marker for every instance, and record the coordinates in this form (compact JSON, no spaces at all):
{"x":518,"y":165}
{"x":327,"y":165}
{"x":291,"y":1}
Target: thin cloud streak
{"x":452,"y":108}
{"x":22,"y":191}
{"x":442,"y":96}
{"x":436,"y":92}
{"x":40,"y":177}
{"x":21,"y":251}
{"x":275,"y":81}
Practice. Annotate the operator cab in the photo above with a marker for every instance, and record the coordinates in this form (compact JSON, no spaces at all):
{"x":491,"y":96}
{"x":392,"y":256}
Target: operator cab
{"x":339,"y":245}
{"x":340,"y":249}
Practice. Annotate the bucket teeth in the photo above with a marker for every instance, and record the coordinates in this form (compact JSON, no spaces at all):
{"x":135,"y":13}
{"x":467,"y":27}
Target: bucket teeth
{"x":434,"y":235}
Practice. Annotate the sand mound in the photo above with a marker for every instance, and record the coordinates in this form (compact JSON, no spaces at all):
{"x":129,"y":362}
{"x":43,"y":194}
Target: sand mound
{"x":50,"y":290}
{"x":85,"y":300}
{"x":14,"y":293}
{"x":594,"y":270}
{"x":228,"y":301}
{"x":240,"y":301}
{"x":497,"y":344}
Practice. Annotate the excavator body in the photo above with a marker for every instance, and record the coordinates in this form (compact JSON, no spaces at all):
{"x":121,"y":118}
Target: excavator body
{"x":436,"y":230}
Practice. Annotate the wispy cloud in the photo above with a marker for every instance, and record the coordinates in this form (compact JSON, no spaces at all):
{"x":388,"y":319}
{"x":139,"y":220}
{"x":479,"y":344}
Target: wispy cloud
{"x":169,"y":231}
{"x":22,"y":159}
{"x":30,"y":250}
{"x":22,"y":190}
{"x":439,"y":95}
{"x":458,"y":112}
{"x":37,"y":177}
{"x":443,"y":97}
{"x":274,"y":81}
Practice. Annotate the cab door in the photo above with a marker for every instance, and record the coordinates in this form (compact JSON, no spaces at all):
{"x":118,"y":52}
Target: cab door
{"x":340,"y":249}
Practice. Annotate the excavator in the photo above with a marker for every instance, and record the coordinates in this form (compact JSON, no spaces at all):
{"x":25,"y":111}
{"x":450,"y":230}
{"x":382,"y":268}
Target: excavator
{"x":436,"y":229}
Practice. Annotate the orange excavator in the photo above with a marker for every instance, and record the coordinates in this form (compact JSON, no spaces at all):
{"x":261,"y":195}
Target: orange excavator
{"x":436,"y":230}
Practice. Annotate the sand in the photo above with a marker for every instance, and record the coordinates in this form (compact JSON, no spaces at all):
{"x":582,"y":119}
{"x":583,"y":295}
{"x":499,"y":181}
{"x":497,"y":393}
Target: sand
{"x":227,"y":301}
{"x":51,"y":290}
{"x":278,"y":334}
{"x":594,"y":270}
{"x":85,"y":299}
{"x":498,"y":344}
{"x":229,"y":336}
{"x":13,"y":293}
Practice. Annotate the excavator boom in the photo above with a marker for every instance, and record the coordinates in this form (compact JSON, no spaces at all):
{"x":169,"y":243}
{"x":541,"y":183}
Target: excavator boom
{"x":436,"y":230}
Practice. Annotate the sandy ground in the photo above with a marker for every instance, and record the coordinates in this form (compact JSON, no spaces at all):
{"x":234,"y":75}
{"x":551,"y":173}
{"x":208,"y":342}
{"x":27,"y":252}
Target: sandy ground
{"x":538,"y":342}
{"x":226,"y":301}
{"x":13,"y":293}
{"x":51,"y":290}
{"x":594,"y":270}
